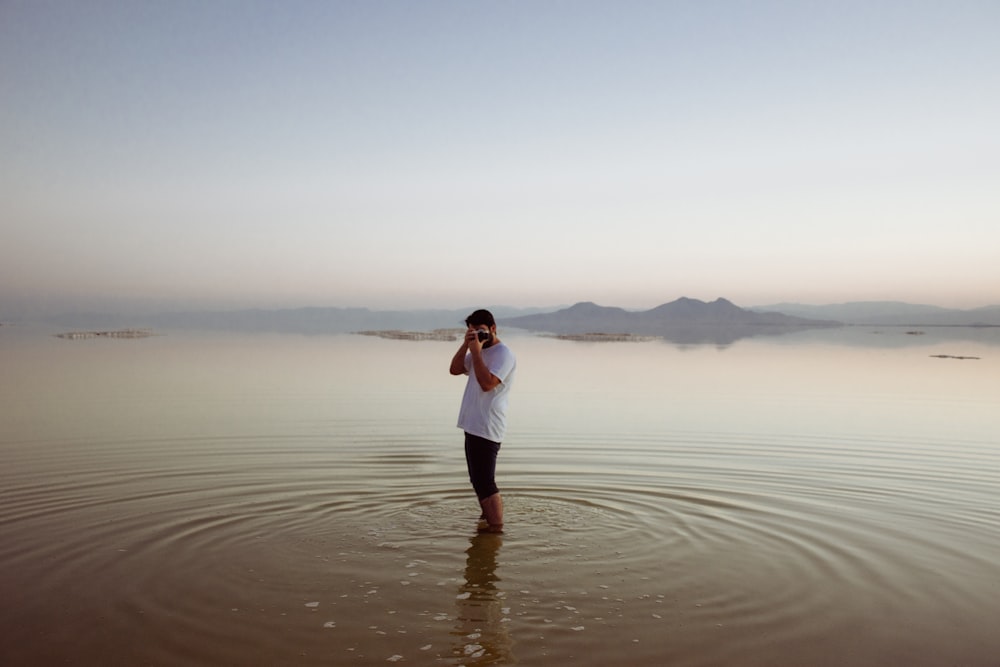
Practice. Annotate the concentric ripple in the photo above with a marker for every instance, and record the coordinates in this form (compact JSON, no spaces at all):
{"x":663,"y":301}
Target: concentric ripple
{"x":291,"y":526}
{"x":226,"y":536}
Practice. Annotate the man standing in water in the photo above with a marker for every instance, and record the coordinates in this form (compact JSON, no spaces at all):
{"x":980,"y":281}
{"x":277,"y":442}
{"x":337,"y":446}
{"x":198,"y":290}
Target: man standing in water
{"x":490,"y":366}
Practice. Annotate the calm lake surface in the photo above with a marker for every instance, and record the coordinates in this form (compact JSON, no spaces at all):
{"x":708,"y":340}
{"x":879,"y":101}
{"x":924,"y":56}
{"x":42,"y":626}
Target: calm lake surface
{"x":822,"y":498}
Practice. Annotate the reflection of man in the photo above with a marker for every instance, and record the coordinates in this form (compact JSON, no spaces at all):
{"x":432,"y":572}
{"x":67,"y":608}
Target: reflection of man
{"x":490,"y":366}
{"x":482,"y":630}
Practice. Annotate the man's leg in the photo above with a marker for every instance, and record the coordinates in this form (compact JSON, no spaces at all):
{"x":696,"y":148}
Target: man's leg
{"x":493,"y":511}
{"x":481,"y":457}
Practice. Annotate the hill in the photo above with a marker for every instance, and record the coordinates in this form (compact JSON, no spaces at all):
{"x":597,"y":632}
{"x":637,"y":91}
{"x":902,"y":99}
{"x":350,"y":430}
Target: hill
{"x":683,"y":320}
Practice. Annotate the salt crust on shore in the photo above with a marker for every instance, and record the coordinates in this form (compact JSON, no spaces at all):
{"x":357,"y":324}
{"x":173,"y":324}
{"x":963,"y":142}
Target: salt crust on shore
{"x":396,"y":334}
{"x":121,"y":333}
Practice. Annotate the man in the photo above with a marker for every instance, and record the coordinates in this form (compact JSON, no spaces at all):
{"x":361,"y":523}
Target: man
{"x":490,"y":366}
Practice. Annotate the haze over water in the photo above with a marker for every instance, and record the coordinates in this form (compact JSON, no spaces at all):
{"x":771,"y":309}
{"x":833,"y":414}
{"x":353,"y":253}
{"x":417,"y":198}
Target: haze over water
{"x":823,"y":498}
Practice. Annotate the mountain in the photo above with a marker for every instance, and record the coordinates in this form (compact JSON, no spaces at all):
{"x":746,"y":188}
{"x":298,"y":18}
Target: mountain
{"x":579,"y":318}
{"x":292,"y":320}
{"x":890,"y":313}
{"x":718,"y":312}
{"x":684,"y":320}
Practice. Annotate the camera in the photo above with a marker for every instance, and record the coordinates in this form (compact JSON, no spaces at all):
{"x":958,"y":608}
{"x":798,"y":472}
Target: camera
{"x":483,"y":336}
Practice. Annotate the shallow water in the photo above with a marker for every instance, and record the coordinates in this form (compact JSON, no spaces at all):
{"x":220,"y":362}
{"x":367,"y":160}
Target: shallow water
{"x":827,"y":498}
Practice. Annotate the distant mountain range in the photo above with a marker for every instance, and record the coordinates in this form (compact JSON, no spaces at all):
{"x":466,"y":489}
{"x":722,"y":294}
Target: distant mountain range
{"x":889,"y":313}
{"x":589,"y":317}
{"x":721,"y":322}
{"x":684,"y":320}
{"x":288,"y":320}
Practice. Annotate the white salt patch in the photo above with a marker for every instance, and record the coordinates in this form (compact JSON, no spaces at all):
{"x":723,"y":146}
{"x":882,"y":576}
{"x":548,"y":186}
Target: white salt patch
{"x":657,"y":616}
{"x":426,"y":648}
{"x":395,"y":658}
{"x":474,"y":635}
{"x":312,"y":604}
{"x":330,"y":624}
{"x":463,"y":596}
{"x":404,"y":583}
{"x":578,"y":628}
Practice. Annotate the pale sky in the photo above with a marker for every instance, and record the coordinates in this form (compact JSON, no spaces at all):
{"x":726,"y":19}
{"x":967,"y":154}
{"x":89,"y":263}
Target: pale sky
{"x":530,"y":153}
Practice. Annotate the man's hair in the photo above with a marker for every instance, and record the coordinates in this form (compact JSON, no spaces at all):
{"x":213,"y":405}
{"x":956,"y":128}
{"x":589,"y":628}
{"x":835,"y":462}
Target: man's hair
{"x":479,"y":318}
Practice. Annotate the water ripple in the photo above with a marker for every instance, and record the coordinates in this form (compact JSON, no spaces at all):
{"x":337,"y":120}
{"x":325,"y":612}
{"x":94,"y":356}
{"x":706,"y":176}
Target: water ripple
{"x":758,"y":533}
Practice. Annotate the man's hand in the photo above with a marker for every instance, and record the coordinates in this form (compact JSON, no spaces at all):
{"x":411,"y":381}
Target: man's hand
{"x":472,"y":340}
{"x":469,"y":344}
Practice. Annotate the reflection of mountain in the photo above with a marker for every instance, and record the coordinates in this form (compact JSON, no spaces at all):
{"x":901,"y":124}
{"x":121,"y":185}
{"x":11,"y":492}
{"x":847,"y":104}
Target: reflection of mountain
{"x":682,"y":321}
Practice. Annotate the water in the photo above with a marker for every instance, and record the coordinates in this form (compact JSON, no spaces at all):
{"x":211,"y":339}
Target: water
{"x":827,"y":498}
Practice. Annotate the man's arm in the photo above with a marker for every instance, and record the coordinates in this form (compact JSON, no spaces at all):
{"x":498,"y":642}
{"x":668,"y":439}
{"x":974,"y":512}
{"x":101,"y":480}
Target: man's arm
{"x":458,"y":361}
{"x":474,"y":347}
{"x":484,"y":377}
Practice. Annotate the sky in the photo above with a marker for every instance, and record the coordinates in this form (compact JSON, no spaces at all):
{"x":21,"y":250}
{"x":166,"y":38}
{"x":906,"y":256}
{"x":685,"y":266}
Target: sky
{"x":185,"y":155}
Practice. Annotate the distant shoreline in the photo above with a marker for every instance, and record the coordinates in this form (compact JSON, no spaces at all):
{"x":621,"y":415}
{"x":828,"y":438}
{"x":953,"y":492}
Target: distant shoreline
{"x":604,"y":337}
{"x":397,"y":334}
{"x":119,"y":333}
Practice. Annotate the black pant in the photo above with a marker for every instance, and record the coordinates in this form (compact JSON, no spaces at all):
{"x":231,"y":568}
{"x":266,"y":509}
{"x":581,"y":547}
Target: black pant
{"x":481,"y":458}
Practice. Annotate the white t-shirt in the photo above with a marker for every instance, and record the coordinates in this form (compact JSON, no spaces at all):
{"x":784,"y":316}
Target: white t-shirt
{"x":484,"y":413}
